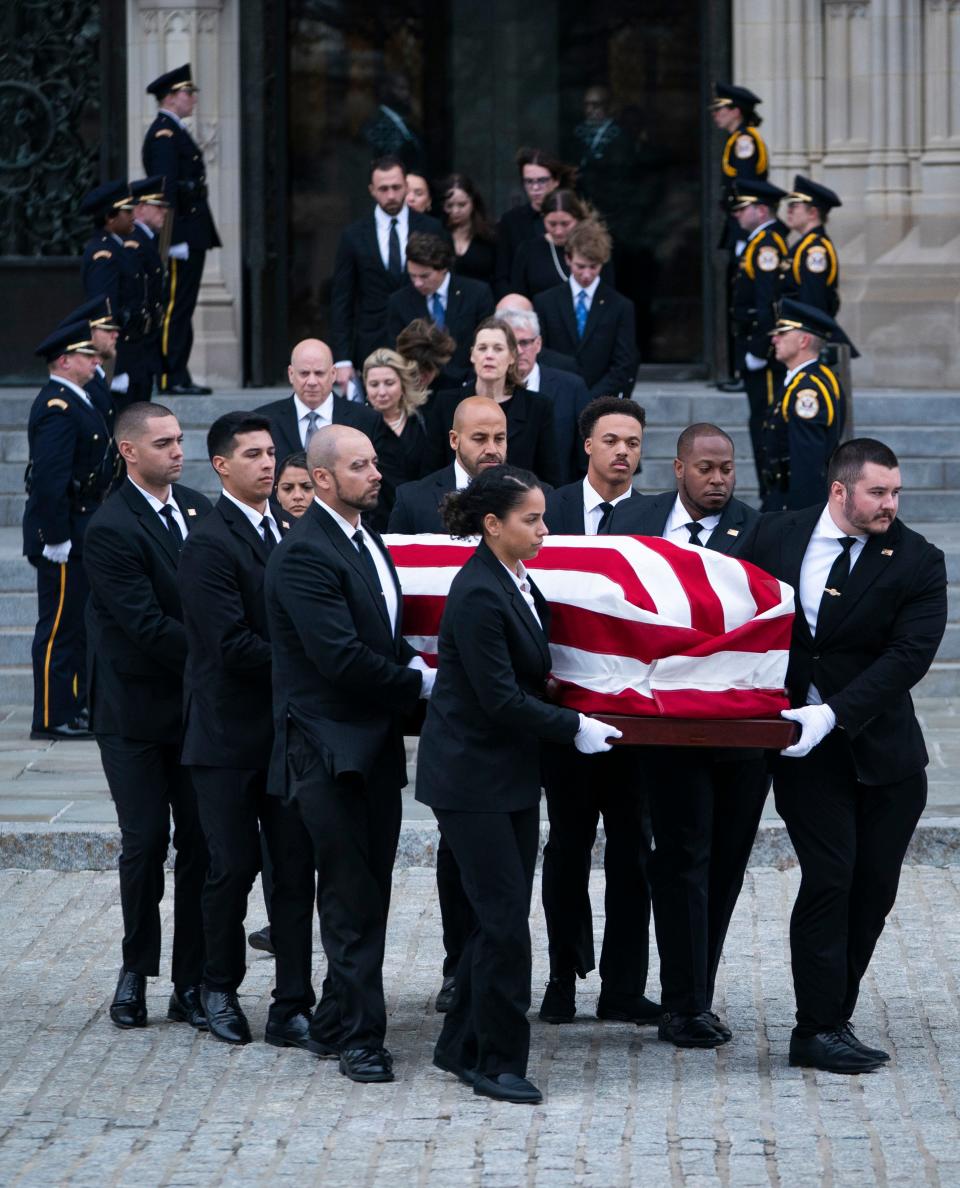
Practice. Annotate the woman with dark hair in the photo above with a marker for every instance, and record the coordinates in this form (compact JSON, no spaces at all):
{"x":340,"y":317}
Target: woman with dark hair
{"x":540,"y":173}
{"x":293,"y":488}
{"x":478,"y":768}
{"x":531,"y":436}
{"x":541,"y":263}
{"x":465,"y":217}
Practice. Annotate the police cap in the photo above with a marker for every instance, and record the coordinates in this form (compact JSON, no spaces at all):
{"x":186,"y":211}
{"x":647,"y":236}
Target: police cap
{"x":751,"y":191}
{"x":150,"y":190}
{"x":107,"y":199}
{"x":727,"y":95}
{"x":805,"y":190}
{"x":173,"y":80}
{"x":73,"y":339}
{"x":96,"y":311}
{"x":797,"y":315}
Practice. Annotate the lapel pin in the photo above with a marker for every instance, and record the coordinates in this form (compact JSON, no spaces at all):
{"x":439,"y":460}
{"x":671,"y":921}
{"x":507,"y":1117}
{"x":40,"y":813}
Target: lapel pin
{"x":886,"y":552}
{"x":733,"y":532}
{"x":191,"y":511}
{"x":284,"y":523}
{"x":830,"y":590}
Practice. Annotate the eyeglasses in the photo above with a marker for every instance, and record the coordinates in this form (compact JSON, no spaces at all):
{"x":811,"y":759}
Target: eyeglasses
{"x":537,"y":183}
{"x":523,"y":343}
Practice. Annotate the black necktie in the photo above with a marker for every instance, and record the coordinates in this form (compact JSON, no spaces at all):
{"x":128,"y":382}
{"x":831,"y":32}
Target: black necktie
{"x":367,"y":560}
{"x":830,"y":600}
{"x":607,"y":509}
{"x":268,"y":539}
{"x":172,"y":526}
{"x":394,"y":263}
{"x":694,"y":528}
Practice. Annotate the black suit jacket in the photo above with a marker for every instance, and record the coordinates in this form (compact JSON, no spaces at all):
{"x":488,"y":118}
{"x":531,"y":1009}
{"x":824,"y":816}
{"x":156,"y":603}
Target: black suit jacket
{"x":515,"y":225}
{"x":136,"y":643}
{"x":568,"y":396}
{"x":487,"y":707}
{"x":646,"y":515}
{"x":362,"y":287}
{"x":564,"y":514}
{"x":339,"y":672}
{"x":417,"y":508}
{"x":531,"y":437}
{"x":894,"y":612}
{"x":607,"y":353}
{"x":468,"y":303}
{"x":228,"y":710}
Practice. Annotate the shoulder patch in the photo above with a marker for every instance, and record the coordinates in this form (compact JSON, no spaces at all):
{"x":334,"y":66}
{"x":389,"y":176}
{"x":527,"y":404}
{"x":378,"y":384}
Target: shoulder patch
{"x":103,"y":254}
{"x":745,"y":146}
{"x":56,"y":402}
{"x":768,"y":258}
{"x":806,"y":404}
{"x":162,"y":132}
{"x":130,"y":243}
{"x":817,"y":258}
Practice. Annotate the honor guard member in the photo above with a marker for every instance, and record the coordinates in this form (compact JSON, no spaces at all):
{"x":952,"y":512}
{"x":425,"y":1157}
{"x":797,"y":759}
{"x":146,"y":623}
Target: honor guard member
{"x":112,"y":267}
{"x":810,"y":271}
{"x":170,"y":149}
{"x":803,"y":427}
{"x":756,"y":289}
{"x":67,"y":477}
{"x":149,"y":218}
{"x":104,"y":332}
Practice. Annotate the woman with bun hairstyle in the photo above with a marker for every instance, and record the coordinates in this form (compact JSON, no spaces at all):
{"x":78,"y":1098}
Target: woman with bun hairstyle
{"x":478,"y":768}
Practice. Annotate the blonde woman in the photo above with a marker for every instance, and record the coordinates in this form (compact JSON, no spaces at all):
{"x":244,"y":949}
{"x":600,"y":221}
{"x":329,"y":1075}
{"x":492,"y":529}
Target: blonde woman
{"x":392,"y":387}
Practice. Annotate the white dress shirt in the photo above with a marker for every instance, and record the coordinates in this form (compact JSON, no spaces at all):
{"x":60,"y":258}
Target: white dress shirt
{"x":463,"y":479}
{"x":383,"y":220}
{"x":676,"y":528}
{"x":522,"y":581}
{"x":592,"y":515}
{"x":799,"y":367}
{"x":157,"y":504}
{"x":324,"y":413}
{"x":533,"y":380}
{"x":387,"y":585}
{"x":256,"y":517}
{"x":576,"y":290}
{"x":84,"y":396}
{"x":443,"y":292}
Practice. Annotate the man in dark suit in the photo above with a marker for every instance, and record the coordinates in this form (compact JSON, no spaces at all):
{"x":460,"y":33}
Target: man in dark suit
{"x":169,"y":149}
{"x":705,"y":804}
{"x":343,"y":677}
{"x":136,"y":650}
{"x":588,"y":319}
{"x":578,"y":794}
{"x":313,"y":404}
{"x":370,"y":266}
{"x":871,"y":610}
{"x":556,"y":360}
{"x":456,"y":304}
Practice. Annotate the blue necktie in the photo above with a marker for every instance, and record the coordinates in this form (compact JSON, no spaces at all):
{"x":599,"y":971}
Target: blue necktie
{"x":581,"y":312}
{"x":436,"y":309}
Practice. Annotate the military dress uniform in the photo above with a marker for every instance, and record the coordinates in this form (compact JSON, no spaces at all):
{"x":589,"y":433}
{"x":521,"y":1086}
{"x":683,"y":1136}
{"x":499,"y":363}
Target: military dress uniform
{"x":66,"y":480}
{"x":170,"y":150}
{"x":97,"y":313}
{"x":151,"y":191}
{"x":744,"y":157}
{"x":811,"y":272}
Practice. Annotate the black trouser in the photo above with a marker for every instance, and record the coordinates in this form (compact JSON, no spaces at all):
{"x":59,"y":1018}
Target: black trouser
{"x":456,"y":916}
{"x":486,"y":1027}
{"x":705,"y":810}
{"x":579,"y":789}
{"x":176,"y":331}
{"x":763,"y":388}
{"x":231,"y":805}
{"x":354,"y":826}
{"x":147,"y":783}
{"x":59,"y":642}
{"x":851,"y":840}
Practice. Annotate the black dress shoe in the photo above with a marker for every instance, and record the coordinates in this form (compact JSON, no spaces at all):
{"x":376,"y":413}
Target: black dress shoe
{"x":628,"y":1008}
{"x":829,"y":1051}
{"x":289,"y":1033}
{"x":225,"y":1018}
{"x":129,"y":1006}
{"x":559,"y":1000}
{"x":508,"y":1087}
{"x":366,"y":1065}
{"x":467,"y":1075}
{"x":260,"y":940}
{"x":720,"y":1027}
{"x":185,"y":1007}
{"x":324,"y":1049}
{"x":187,"y":390}
{"x":445,"y":995}
{"x":874,"y":1053}
{"x":732,"y":385}
{"x":689,"y":1031}
{"x":69,"y":731}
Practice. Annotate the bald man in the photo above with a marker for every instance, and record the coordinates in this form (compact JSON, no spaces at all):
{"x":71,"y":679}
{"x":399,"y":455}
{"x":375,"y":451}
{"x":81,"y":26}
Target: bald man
{"x":313,"y":404}
{"x":343,"y":679}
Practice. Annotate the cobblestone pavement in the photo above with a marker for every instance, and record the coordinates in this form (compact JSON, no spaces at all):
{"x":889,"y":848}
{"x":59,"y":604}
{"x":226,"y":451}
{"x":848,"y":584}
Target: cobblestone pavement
{"x":82,"y":1103}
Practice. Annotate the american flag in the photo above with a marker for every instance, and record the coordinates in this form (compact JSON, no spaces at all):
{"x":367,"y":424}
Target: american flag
{"x":639,"y":625}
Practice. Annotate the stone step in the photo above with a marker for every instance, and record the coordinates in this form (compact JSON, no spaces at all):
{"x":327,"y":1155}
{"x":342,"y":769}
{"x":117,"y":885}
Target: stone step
{"x":16,"y":684}
{"x":15,"y":646}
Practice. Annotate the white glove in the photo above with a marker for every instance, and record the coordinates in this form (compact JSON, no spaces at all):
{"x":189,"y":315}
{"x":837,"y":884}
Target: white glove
{"x":120,"y":383}
{"x":429,"y":675}
{"x":592,"y":736}
{"x":179,"y":251}
{"x":816,"y":722}
{"x":58,"y":553}
{"x":754,"y":362}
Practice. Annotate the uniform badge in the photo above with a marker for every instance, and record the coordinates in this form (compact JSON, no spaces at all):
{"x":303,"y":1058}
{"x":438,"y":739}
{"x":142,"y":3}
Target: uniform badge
{"x":56,"y":402}
{"x":744,"y":147}
{"x":162,"y":132}
{"x":103,"y":254}
{"x":817,"y":259}
{"x":806,"y":404}
{"x":768,"y":259}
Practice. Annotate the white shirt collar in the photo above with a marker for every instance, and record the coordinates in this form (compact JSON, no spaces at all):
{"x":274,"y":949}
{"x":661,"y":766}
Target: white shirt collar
{"x":145,"y":229}
{"x":176,"y":119}
{"x":592,"y":498}
{"x":255,"y":517}
{"x":757,"y":230}
{"x":402,"y":217}
{"x":590,"y":290}
{"x":533,"y":379}
{"x":679,"y":517}
{"x":345,"y":525}
{"x":154,"y":502}
{"x":463,"y":480}
{"x":827,"y":527}
{"x":324,"y":411}
{"x":442,"y":291}
{"x":799,"y":367}
{"x":84,"y":396}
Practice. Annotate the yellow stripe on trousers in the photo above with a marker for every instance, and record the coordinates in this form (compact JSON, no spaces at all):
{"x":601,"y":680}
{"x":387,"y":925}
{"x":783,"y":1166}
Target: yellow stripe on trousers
{"x":165,"y":339}
{"x":53,"y":636}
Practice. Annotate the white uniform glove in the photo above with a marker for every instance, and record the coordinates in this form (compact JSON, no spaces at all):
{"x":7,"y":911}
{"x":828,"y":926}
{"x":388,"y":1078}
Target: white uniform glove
{"x":816,"y":722}
{"x":754,"y":362}
{"x":429,"y":675}
{"x":592,"y":736}
{"x":179,"y":251}
{"x":58,"y":553}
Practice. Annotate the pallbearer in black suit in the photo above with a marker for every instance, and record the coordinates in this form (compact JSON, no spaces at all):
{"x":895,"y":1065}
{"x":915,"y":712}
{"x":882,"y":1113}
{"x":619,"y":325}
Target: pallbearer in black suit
{"x":705,"y":804}
{"x":343,"y":678}
{"x":580,"y":791}
{"x":136,"y":651}
{"x":479,"y":770}
{"x":169,"y":149}
{"x":67,"y":478}
{"x":454,"y":303}
{"x":871,"y":610}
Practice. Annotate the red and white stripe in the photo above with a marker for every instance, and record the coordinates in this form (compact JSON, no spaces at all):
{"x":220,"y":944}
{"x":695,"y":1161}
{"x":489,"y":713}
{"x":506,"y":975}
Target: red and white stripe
{"x":639,"y":625}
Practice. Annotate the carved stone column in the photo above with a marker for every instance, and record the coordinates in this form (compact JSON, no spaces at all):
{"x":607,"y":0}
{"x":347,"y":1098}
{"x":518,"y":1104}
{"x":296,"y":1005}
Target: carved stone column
{"x":938,"y":202}
{"x":163,"y":34}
